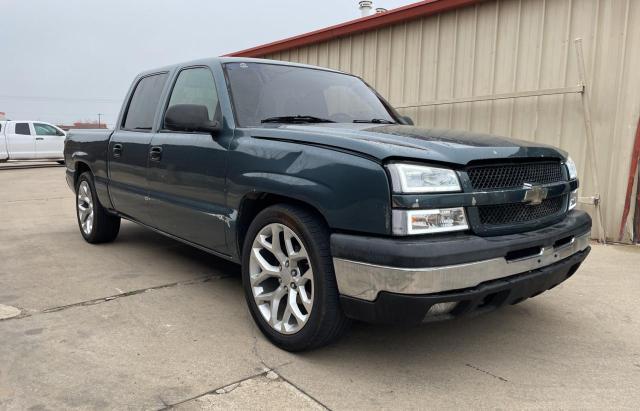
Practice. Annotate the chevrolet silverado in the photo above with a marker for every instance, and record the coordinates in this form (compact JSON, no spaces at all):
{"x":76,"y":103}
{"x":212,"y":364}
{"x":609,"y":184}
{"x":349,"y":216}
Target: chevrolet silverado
{"x":336,"y":207}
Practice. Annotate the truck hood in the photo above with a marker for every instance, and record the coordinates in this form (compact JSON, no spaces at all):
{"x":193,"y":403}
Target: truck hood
{"x":386,"y":141}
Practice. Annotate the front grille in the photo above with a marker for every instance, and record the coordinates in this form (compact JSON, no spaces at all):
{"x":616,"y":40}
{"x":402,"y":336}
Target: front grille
{"x":517,"y":213}
{"x":504,"y":176}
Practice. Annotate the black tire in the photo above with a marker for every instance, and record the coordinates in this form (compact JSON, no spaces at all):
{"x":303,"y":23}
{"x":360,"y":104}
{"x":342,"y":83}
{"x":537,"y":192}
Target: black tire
{"x":326,"y":322}
{"x":105,"y":226}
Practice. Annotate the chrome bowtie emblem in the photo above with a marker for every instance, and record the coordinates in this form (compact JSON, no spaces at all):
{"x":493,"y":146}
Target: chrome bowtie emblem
{"x":534,"y":194}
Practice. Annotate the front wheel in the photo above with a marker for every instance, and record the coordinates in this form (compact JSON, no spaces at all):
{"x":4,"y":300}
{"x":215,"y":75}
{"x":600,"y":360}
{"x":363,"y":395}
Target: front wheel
{"x":96,"y":225}
{"x":288,"y":278}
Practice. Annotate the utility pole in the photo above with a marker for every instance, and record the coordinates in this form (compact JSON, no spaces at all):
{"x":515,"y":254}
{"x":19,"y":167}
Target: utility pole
{"x":99,"y":117}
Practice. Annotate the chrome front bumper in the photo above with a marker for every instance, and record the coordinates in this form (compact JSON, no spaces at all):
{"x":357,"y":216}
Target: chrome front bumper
{"x":364,"y":281}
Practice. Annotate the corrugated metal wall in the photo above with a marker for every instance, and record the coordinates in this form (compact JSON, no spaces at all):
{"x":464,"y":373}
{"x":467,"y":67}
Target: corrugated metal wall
{"x":506,"y":46}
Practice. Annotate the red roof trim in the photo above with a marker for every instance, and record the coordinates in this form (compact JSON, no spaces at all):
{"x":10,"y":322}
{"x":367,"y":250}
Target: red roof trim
{"x":409,"y":12}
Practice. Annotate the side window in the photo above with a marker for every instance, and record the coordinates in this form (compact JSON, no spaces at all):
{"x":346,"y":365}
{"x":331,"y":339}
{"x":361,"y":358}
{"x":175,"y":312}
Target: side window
{"x":23,"y":128}
{"x":143,"y":103}
{"x":196,"y":86}
{"x":45,"y":129}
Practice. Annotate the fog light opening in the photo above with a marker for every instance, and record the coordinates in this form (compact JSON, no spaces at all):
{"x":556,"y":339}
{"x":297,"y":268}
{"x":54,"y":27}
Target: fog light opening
{"x":573,"y":200}
{"x":441,"y":309}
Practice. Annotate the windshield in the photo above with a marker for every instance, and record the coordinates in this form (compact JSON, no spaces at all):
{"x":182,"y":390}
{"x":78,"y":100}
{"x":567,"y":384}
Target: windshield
{"x":267,"y":93}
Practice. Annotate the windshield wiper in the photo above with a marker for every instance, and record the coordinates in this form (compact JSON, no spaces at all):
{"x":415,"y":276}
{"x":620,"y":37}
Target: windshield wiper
{"x":375,"y":121}
{"x":296,"y":119}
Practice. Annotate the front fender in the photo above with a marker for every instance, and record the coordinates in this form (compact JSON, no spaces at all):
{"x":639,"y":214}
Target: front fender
{"x":351,"y":192}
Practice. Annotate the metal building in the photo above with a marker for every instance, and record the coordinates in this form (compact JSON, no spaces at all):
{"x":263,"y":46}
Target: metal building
{"x":508,"y":67}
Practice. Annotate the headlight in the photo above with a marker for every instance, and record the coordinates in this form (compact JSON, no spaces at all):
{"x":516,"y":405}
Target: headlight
{"x":410,"y":178}
{"x":571,"y":168}
{"x":429,"y":221}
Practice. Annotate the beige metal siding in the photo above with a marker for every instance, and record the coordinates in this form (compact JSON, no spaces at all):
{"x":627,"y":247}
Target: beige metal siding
{"x":507,"y":46}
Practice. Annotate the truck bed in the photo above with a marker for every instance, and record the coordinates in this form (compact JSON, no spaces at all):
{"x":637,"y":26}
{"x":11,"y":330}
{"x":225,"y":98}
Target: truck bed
{"x":89,"y":147}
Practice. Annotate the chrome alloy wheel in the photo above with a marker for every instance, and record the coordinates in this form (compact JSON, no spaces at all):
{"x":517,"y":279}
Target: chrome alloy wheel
{"x":85,"y":207}
{"x":281,"y":278}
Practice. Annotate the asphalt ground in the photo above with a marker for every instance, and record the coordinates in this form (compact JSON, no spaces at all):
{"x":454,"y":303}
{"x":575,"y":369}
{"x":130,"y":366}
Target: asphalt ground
{"x":149,"y":323}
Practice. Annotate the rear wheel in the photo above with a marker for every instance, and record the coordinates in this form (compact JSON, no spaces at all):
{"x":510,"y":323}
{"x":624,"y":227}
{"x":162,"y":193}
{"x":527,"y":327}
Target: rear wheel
{"x":288,"y":279}
{"x":96,"y":225}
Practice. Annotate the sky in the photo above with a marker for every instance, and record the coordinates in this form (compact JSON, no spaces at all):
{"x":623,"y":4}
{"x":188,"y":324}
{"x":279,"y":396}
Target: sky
{"x":68,"y":60}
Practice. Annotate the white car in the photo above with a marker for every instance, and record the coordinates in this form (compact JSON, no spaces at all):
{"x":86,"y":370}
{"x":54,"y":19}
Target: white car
{"x":30,"y":140}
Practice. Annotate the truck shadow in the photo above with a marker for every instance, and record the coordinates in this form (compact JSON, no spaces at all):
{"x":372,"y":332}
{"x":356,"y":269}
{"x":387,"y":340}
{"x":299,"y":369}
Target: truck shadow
{"x":532,"y":332}
{"x":523,"y":330}
{"x":174,"y":251}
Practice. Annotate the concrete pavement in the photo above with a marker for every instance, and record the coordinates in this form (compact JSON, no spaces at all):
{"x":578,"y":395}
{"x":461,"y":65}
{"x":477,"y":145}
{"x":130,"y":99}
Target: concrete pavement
{"x":149,"y":323}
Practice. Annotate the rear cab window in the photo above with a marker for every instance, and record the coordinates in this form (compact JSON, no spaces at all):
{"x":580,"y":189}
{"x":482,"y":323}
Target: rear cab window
{"x":144,"y":101}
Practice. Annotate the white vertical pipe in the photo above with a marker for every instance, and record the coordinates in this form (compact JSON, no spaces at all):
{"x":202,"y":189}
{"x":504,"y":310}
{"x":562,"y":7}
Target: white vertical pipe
{"x":366,"y":6}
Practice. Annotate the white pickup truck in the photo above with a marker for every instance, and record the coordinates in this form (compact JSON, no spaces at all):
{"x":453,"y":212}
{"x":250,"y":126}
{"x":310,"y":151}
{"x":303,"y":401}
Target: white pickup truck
{"x":30,"y":140}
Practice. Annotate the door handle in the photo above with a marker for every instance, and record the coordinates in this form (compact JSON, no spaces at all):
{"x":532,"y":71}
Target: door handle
{"x":155,"y":154}
{"x":117,"y":150}
{"x":39,"y":138}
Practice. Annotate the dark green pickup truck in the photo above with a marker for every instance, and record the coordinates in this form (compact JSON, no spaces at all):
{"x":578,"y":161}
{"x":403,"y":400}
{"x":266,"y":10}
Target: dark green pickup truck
{"x":336,"y":207}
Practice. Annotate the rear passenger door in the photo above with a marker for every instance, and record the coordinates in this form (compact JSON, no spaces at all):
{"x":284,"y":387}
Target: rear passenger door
{"x":129,"y":149}
{"x":21,"y":143}
{"x":187,"y":169}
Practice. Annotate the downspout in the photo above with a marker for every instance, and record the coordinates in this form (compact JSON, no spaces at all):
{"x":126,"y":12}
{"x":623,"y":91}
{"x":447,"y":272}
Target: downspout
{"x":633,"y":172}
{"x":636,"y":218}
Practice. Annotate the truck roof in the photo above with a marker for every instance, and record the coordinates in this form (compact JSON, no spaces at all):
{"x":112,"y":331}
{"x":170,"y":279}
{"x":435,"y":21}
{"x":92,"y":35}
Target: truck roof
{"x":26,"y":121}
{"x":222,"y":60}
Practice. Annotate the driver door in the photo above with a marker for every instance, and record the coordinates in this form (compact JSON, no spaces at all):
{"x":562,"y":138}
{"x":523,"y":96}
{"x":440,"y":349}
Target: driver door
{"x":49,"y":141}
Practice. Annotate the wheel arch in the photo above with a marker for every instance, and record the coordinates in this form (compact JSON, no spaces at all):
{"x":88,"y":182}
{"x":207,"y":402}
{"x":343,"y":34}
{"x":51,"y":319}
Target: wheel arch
{"x":253,"y":203}
{"x":79,"y":168}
